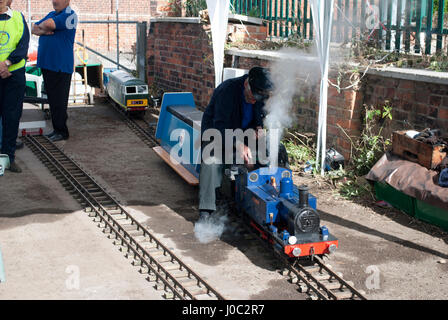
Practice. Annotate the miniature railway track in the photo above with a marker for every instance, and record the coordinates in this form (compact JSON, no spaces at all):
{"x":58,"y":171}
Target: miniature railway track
{"x":170,"y":274}
{"x":313,"y":277}
{"x":146,"y":136}
{"x":319,"y":281}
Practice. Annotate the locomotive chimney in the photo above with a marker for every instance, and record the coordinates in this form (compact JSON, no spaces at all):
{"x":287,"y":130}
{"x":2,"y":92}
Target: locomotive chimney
{"x":303,"y":196}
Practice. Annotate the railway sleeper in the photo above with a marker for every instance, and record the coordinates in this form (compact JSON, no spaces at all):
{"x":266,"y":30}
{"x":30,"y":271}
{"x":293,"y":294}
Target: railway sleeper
{"x":312,"y":269}
{"x":115,"y":212}
{"x":181,"y":274}
{"x":78,"y":174}
{"x":188,"y":282}
{"x":135,"y":233}
{"x":206,"y":296}
{"x":102,"y":198}
{"x":129,"y":226}
{"x":118,"y":216}
{"x":344,"y":294}
{"x":163,"y":258}
{"x":171,"y":266}
{"x":332,"y":285}
{"x":199,"y":291}
{"x":321,"y":276}
{"x":105,"y":203}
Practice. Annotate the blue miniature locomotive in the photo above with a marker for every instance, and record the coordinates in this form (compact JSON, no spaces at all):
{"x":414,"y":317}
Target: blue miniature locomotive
{"x":281,"y":212}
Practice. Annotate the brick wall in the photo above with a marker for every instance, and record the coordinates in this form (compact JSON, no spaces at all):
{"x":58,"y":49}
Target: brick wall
{"x":180,"y":59}
{"x":180,"y":56}
{"x":416,"y":104}
{"x":102,"y":37}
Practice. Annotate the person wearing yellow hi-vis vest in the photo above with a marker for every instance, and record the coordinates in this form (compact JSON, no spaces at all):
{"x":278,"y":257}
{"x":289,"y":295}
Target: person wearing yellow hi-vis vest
{"x":14,"y":41}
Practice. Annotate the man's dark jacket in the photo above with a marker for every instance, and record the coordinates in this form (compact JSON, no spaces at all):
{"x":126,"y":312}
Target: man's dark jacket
{"x":225,"y":110}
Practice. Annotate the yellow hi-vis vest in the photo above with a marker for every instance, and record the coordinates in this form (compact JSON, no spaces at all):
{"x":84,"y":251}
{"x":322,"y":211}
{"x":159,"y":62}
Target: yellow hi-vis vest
{"x":11,"y":32}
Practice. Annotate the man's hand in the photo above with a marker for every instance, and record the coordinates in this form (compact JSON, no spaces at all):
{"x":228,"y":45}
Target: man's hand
{"x":246,"y":154}
{"x":259,"y":132}
{"x":4,"y":72}
{"x":39,"y":30}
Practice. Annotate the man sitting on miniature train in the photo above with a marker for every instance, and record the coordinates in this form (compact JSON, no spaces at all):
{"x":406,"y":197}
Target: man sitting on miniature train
{"x":235,"y":104}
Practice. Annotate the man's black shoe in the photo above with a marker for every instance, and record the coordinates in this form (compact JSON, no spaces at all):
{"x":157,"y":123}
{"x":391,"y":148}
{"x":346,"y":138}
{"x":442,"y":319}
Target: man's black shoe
{"x":204,"y":215}
{"x":13,"y":167}
{"x":19,"y":144}
{"x":57,"y":137}
{"x":49,"y":135}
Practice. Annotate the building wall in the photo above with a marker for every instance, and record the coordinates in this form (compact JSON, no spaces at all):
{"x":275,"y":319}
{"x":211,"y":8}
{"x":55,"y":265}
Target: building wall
{"x":102,"y":37}
{"x":180,"y":57}
{"x":416,"y":104}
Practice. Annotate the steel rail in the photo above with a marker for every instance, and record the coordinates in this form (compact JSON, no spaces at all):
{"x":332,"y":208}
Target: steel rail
{"x":115,"y":227}
{"x":146,"y":137}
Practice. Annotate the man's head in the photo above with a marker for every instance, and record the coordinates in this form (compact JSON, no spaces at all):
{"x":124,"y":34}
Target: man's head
{"x":60,"y":5}
{"x":4,"y":4}
{"x":260,"y":83}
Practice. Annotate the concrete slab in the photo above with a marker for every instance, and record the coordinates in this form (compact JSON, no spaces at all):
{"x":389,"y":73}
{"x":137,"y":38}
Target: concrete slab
{"x":67,"y":258}
{"x":51,"y":249}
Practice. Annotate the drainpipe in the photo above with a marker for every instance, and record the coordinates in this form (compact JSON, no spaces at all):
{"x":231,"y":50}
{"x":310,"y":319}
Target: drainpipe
{"x":118,"y":39}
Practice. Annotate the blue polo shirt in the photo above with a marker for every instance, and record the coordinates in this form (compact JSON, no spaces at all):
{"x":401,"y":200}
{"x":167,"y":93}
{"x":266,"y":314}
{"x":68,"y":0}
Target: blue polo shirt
{"x":248,"y":113}
{"x":55,"y":51}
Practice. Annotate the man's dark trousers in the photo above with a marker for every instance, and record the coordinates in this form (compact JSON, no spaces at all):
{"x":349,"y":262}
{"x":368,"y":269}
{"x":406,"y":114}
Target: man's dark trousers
{"x":12,"y":91}
{"x":57,"y":86}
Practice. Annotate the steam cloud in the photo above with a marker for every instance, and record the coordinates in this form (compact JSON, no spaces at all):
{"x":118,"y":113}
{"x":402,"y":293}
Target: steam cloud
{"x":285,"y":73}
{"x":211,"y":229}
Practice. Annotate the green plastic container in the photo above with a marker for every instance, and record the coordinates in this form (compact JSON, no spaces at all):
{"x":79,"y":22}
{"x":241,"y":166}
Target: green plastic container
{"x":396,"y":198}
{"x":31,"y":89}
{"x":431,"y":214}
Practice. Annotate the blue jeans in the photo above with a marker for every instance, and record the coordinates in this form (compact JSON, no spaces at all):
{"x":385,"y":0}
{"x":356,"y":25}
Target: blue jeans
{"x":1,"y":133}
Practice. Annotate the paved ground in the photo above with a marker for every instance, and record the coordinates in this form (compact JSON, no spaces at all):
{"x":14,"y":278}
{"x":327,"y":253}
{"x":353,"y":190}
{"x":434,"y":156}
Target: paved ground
{"x":46,"y":238}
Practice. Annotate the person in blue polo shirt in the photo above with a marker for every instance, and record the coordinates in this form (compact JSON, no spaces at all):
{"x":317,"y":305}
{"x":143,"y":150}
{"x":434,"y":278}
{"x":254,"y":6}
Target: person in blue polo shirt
{"x":55,"y":58}
{"x":14,"y":41}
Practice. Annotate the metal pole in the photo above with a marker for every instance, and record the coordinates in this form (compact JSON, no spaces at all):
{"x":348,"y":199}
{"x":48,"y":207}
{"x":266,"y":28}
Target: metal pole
{"x":118,"y":38}
{"x":29,"y":15}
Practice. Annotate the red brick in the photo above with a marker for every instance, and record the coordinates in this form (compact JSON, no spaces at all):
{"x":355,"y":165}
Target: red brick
{"x":443,"y":114}
{"x":405,"y":95}
{"x":407,"y":84}
{"x":435,"y":100}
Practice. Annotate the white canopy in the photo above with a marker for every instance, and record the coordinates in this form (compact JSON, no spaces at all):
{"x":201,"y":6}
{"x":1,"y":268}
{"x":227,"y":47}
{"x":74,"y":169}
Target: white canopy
{"x":218,"y":11}
{"x":322,"y":11}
